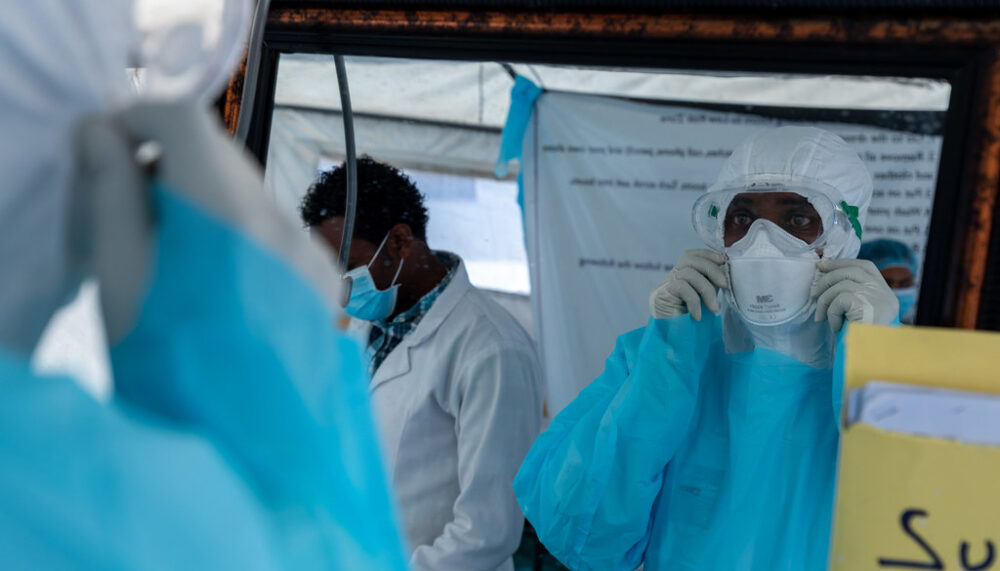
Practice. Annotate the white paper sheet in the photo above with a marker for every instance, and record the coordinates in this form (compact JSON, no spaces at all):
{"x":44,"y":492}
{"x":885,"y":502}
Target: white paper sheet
{"x":968,"y":417}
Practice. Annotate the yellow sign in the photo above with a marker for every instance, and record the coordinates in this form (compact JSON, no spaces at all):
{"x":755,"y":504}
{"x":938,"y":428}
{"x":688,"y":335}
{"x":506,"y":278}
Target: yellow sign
{"x":913,"y":502}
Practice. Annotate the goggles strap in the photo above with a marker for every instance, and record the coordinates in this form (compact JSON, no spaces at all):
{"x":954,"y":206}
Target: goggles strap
{"x":852,"y":215}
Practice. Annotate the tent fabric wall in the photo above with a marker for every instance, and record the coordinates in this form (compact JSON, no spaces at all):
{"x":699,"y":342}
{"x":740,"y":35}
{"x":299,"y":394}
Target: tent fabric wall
{"x":300,"y":138}
{"x":477,"y":93}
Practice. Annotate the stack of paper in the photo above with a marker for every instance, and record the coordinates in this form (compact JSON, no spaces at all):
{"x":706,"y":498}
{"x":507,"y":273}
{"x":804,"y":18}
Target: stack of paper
{"x":963,"y":416}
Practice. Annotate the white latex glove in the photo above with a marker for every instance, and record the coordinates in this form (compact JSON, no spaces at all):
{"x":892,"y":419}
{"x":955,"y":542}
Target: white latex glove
{"x":853,"y":290}
{"x":695,"y":279}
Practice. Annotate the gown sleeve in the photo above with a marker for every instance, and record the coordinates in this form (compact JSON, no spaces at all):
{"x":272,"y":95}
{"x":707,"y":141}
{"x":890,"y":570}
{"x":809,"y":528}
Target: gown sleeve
{"x":590,"y":483}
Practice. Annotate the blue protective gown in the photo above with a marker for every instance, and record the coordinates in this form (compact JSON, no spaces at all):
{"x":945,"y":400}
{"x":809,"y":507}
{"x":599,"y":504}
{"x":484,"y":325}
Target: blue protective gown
{"x":239,"y":436}
{"x":682,"y":456}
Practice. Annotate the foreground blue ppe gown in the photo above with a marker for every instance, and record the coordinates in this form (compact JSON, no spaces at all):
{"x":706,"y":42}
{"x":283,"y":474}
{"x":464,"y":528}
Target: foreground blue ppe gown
{"x":239,"y":436}
{"x":684,"y":457}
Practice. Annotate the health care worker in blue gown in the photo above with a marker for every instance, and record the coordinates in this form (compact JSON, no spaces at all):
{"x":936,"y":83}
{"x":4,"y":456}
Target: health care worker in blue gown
{"x":239,"y":434}
{"x":455,"y":382}
{"x":709,"y":441}
{"x":897,"y":263}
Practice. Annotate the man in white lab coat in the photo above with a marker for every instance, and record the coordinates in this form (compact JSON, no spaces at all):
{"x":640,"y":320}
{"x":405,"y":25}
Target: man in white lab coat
{"x":455,"y":383}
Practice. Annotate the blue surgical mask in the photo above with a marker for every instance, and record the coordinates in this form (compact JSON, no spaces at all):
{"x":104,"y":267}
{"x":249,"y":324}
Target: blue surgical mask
{"x":907,"y":297}
{"x":367,"y":302}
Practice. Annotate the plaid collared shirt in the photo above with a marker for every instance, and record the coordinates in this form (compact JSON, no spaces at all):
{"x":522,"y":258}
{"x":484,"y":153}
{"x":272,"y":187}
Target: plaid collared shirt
{"x":386,"y":335}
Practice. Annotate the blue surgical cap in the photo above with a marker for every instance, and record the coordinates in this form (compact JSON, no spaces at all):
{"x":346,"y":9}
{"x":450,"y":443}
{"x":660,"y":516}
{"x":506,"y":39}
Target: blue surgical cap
{"x":885,"y":253}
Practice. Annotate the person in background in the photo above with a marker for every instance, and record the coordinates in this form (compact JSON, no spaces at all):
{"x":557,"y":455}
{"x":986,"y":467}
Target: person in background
{"x":455,"y":380}
{"x":710,"y":440}
{"x":898,"y":265}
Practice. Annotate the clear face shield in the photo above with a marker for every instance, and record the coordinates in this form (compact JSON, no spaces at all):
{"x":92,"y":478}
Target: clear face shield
{"x":772,"y":236}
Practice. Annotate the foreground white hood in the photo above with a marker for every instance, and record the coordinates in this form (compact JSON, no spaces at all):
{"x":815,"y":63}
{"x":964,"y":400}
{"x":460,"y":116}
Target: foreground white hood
{"x":61,"y":59}
{"x":64,"y":60}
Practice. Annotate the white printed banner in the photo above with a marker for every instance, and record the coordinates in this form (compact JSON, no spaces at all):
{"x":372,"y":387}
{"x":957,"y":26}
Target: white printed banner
{"x":609,"y":185}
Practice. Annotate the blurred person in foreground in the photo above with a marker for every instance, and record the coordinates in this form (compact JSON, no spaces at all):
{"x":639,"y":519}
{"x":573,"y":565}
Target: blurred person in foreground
{"x":239,"y":434}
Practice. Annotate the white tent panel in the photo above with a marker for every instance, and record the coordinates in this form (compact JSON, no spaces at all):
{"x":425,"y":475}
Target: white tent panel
{"x":475,"y":93}
{"x":827,"y":91}
{"x":452,"y":92}
{"x":300,"y":137}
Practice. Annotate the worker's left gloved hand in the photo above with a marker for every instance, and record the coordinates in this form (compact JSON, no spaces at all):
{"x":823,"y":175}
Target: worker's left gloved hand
{"x":853,"y":290}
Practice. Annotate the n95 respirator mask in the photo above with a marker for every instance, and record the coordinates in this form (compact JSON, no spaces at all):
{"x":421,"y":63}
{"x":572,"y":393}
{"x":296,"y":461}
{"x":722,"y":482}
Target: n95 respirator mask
{"x":771,"y":273}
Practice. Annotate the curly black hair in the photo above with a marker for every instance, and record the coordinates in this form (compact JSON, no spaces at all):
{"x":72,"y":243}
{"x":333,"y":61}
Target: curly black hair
{"x":386,"y":197}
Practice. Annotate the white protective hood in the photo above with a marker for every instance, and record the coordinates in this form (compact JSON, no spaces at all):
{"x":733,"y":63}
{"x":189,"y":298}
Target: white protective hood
{"x":797,"y":157}
{"x":65,"y":60}
{"x":803,"y":157}
{"x":61,"y":59}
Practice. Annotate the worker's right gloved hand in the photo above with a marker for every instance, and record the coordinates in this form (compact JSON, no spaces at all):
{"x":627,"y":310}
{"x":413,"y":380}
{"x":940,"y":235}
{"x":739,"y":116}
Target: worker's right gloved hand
{"x":695,"y":279}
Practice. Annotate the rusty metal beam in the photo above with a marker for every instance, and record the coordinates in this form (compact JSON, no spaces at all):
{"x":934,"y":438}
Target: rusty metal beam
{"x":985,"y":167}
{"x":233,"y":97}
{"x":681,"y":27}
